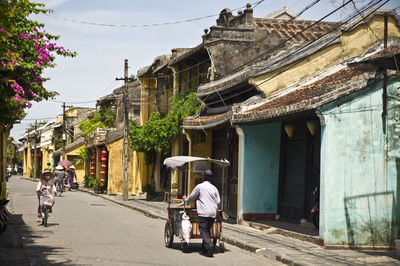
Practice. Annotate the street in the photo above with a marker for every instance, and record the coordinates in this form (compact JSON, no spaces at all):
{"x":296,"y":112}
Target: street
{"x":87,"y":230}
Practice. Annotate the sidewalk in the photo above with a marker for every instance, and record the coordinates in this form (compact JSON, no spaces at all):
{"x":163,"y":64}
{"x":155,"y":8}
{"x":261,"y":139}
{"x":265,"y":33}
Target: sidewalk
{"x":273,"y":244}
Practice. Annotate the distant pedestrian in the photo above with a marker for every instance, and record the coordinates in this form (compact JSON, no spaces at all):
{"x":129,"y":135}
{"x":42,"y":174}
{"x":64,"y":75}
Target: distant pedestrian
{"x":59,"y":175}
{"x":70,"y":176}
{"x":207,"y":199}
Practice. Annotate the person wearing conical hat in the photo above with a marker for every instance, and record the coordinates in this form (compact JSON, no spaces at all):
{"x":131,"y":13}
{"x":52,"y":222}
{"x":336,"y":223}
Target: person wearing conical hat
{"x":45,"y":186}
{"x":71,"y":175}
{"x":59,"y":175}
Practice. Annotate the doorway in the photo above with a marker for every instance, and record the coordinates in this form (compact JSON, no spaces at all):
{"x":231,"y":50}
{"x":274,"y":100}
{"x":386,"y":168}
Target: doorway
{"x":299,"y":172}
{"x":225,"y":146}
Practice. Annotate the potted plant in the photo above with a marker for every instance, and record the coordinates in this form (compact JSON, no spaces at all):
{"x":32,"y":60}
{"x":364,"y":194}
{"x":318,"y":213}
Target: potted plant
{"x":96,"y":184}
{"x":86,"y":180}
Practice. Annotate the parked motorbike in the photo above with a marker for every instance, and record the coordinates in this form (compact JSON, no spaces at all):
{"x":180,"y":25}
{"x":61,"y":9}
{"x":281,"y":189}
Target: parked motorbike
{"x":315,"y":209}
{"x":4,"y":215}
{"x":9,"y":173}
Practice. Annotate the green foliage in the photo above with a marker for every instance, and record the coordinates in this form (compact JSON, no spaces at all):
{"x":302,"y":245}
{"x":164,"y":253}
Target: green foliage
{"x":95,"y":183}
{"x":26,"y":50}
{"x":157,"y":134}
{"x":31,"y":126}
{"x":18,"y":159}
{"x":82,"y":156}
{"x":104,"y":118}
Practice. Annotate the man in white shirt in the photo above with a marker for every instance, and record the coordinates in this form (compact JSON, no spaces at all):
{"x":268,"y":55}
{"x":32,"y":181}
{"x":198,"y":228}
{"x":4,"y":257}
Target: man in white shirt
{"x":207,"y":199}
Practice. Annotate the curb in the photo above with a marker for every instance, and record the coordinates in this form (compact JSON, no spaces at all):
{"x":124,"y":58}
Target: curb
{"x":230,"y":240}
{"x":235,"y":242}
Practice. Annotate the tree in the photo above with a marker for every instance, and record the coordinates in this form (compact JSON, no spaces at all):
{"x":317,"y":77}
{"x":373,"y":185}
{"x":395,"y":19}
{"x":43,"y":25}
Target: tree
{"x":31,"y":126}
{"x":26,"y":50}
{"x":103,"y":118}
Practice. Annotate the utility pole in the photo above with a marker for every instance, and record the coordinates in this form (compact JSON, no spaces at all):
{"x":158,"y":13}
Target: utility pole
{"x":64,"y":136}
{"x":126,"y":127}
{"x":34,"y":153}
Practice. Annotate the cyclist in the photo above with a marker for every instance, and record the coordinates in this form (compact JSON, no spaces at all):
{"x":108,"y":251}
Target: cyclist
{"x":45,"y":187}
{"x":59,"y":176}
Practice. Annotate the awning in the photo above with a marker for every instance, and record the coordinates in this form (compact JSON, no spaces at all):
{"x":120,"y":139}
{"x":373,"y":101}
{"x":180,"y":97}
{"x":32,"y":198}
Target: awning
{"x":177,"y":162}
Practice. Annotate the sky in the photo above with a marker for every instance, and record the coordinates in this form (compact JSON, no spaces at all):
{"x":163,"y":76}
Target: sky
{"x":102,"y":50}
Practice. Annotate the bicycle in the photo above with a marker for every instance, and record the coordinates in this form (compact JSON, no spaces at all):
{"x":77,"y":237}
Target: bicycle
{"x":60,"y":188}
{"x":47,"y":204}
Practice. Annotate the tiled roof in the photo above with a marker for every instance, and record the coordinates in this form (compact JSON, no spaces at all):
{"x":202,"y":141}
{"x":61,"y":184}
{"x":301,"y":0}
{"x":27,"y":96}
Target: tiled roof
{"x":304,"y":29}
{"x":206,"y":121}
{"x":70,"y":147}
{"x":185,"y":53}
{"x":323,"y":91}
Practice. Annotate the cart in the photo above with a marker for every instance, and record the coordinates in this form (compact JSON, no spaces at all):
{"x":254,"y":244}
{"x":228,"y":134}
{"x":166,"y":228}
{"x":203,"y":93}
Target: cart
{"x":174,"y":220}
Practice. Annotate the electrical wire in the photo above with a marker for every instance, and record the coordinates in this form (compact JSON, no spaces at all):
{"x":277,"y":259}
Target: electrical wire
{"x":306,"y":8}
{"x":145,"y":25}
{"x":276,"y":47}
{"x":368,"y":6}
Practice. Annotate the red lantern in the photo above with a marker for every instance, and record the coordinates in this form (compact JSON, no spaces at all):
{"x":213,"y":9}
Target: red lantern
{"x":93,"y":163}
{"x":102,"y":180}
{"x":92,"y":168}
{"x":92,"y":174}
{"x":103,"y":166}
{"x":103,"y":172}
{"x":93,"y":157}
{"x":104,"y":159}
{"x":104,"y":153}
{"x":93,"y":151}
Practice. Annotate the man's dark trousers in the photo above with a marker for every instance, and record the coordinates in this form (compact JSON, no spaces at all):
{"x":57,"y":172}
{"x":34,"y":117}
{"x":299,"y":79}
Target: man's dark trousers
{"x":205,"y":224}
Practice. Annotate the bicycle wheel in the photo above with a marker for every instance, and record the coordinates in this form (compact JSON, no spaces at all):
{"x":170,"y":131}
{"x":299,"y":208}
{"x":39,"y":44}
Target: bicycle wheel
{"x":46,"y":215}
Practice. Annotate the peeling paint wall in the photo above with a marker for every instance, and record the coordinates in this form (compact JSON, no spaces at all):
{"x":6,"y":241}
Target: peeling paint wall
{"x":360,"y":159}
{"x":259,"y":169}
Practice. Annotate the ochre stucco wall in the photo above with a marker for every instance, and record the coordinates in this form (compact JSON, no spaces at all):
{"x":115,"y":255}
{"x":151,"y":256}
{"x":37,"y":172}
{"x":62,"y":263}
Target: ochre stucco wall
{"x":79,"y":168}
{"x":115,"y":168}
{"x":199,"y":150}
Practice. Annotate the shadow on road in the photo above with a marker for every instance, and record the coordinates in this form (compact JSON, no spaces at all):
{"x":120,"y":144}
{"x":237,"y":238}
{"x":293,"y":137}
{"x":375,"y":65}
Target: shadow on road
{"x":196,"y":248}
{"x":18,"y":245}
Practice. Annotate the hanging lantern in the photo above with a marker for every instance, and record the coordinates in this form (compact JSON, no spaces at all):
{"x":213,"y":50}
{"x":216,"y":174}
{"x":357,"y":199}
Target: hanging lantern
{"x":312,"y":126}
{"x":289,"y":129}
{"x":93,"y":163}
{"x":92,"y":174}
{"x":102,"y":181}
{"x":104,"y":159}
{"x":93,"y":158}
{"x":103,"y":172}
{"x":92,"y":168}
{"x":103,"y":166}
{"x":94,"y":151}
{"x":104,"y":153}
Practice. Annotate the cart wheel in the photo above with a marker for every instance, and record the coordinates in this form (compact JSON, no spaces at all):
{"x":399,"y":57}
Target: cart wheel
{"x":184,"y":246}
{"x":168,"y":235}
{"x":222,"y":246}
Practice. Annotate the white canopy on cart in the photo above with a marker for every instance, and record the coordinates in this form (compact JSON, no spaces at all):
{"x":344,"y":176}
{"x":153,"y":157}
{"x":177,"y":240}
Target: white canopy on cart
{"x":177,"y":162}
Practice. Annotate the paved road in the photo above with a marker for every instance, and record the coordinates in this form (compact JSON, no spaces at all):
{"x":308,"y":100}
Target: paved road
{"x":87,"y":230}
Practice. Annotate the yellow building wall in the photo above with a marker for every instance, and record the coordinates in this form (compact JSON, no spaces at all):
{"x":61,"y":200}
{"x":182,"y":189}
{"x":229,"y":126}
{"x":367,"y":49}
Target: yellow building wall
{"x":353,"y":43}
{"x":47,"y":156}
{"x":3,"y":158}
{"x":199,"y":150}
{"x":80,"y":169}
{"x":28,"y":162}
{"x":116,"y":170}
